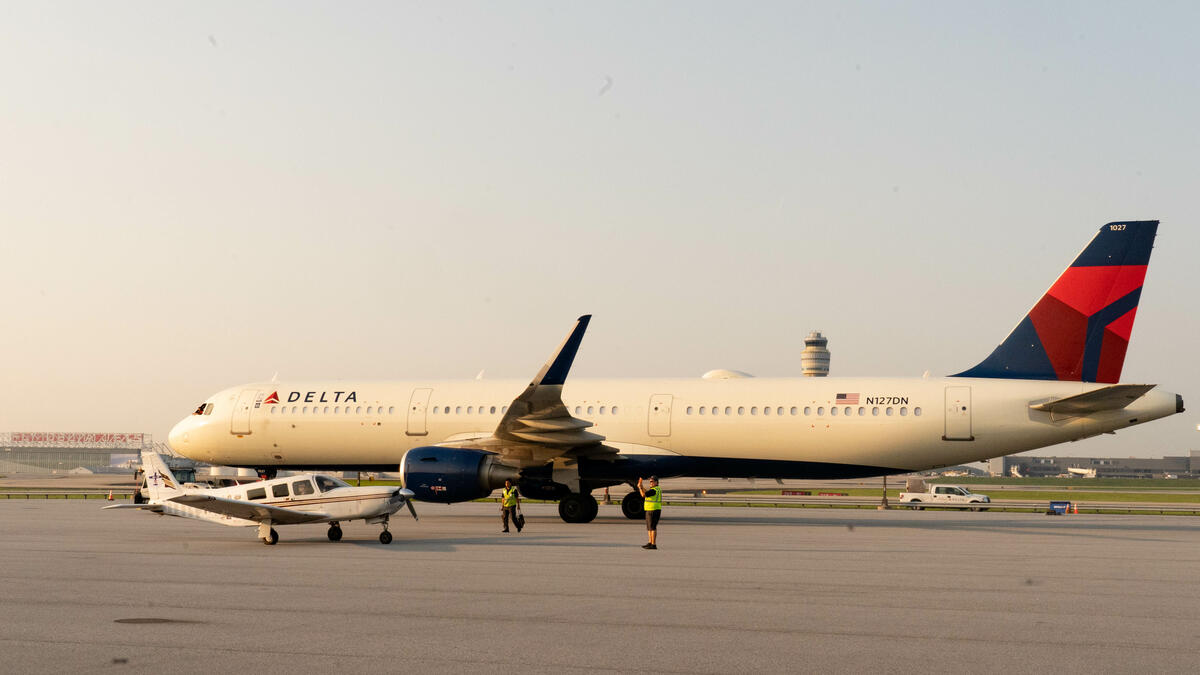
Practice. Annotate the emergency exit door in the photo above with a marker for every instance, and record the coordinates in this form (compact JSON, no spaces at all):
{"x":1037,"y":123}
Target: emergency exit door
{"x":660,"y":415}
{"x":239,"y":421}
{"x":958,"y":414}
{"x":417,"y":406}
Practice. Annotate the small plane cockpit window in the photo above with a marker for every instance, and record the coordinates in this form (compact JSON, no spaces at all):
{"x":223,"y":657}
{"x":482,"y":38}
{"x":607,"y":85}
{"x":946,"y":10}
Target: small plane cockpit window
{"x":327,"y":483}
{"x":256,"y":493}
{"x":302,"y":487}
{"x":279,"y":490}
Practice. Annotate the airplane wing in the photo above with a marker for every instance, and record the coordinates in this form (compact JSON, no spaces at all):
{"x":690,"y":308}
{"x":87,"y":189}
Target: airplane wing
{"x":154,"y":508}
{"x":1113,"y":397}
{"x":537,"y":426}
{"x":247,"y":510}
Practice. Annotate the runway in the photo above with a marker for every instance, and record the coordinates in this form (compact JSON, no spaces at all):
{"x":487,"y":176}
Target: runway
{"x":730,"y":590}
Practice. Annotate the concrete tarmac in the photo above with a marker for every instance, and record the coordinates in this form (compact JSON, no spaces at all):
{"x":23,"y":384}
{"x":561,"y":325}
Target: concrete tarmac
{"x":730,"y":590}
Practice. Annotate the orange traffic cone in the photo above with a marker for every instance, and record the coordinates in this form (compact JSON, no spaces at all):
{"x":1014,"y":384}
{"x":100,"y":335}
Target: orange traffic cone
{"x":110,"y":495}
{"x":1076,"y":506}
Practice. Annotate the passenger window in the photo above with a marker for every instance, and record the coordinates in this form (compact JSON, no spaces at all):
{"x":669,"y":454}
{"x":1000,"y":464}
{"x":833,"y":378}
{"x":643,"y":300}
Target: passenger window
{"x":272,"y":410}
{"x":833,"y":411}
{"x":435,"y":410}
{"x":703,"y":411}
{"x":614,"y":410}
{"x":903,"y":411}
{"x":689,"y":410}
{"x":458,"y":410}
{"x":369,"y":408}
{"x":715,"y":410}
{"x":821,"y":410}
{"x":741,"y":410}
{"x":847,"y":411}
{"x":358,"y":410}
{"x":604,"y":409}
{"x":917,"y":411}
{"x":279,"y":490}
{"x":753,"y":410}
{"x":302,"y":487}
{"x":470,"y":409}
{"x":492,"y":410}
{"x":293,"y":410}
{"x":862,"y":411}
{"x":767,"y":410}
{"x":888,"y":412}
{"x":392,"y":409}
{"x":504,"y":409}
{"x":325,"y":411}
{"x":779,"y":410}
{"x":794,"y":411}
{"x":256,"y":493}
{"x":591,"y":410}
{"x":728,"y":410}
{"x":304,"y":410}
{"x":875,"y":412}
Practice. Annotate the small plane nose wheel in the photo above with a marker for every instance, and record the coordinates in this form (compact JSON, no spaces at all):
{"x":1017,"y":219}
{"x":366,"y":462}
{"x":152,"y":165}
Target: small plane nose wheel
{"x":385,"y":537}
{"x":335,"y":532}
{"x":272,"y":538}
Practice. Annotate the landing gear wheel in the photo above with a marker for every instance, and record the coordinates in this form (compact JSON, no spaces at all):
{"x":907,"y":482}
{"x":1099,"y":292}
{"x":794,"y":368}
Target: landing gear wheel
{"x":578,"y":508}
{"x":271,"y":539}
{"x":633,"y":505}
{"x":335,"y":532}
{"x":385,"y":537}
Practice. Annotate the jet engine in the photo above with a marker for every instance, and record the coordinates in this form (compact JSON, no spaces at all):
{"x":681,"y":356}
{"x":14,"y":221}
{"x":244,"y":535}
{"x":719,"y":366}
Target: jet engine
{"x":449,"y":475}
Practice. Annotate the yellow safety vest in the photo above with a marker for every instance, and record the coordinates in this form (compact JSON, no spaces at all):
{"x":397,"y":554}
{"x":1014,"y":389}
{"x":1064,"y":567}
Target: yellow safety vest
{"x":510,"y":496}
{"x":654,"y":499}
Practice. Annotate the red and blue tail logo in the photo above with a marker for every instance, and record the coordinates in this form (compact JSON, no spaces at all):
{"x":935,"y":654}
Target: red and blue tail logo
{"x":1080,"y":329}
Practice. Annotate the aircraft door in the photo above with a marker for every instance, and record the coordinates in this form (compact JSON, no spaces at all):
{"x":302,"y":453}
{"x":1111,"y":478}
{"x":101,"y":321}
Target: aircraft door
{"x":417,"y":407}
{"x":240,"y":419}
{"x":660,"y":415}
{"x":958,"y":414}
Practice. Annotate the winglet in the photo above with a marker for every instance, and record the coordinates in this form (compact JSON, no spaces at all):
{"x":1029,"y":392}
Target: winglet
{"x":556,"y":369}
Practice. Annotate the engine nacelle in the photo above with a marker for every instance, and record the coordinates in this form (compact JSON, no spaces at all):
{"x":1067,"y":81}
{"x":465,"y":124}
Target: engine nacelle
{"x":449,"y":475}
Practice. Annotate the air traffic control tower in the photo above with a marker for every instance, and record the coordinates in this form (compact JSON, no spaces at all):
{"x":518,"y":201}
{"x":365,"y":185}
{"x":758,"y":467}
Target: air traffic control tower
{"x":814,"y":360}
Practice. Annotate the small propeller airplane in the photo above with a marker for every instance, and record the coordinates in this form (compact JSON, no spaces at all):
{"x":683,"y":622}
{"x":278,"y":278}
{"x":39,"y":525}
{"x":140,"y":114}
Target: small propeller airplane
{"x":303,"y":498}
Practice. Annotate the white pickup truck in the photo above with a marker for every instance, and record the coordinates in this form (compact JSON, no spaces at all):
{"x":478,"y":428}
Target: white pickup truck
{"x":948,"y":495}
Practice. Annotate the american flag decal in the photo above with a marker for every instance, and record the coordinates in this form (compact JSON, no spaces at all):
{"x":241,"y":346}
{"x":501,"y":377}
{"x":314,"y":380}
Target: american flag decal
{"x":847,"y":399}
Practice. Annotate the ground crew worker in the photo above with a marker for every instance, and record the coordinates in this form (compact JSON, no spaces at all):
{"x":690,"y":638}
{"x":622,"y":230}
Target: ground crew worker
{"x":653,"y":495}
{"x":509,"y":501}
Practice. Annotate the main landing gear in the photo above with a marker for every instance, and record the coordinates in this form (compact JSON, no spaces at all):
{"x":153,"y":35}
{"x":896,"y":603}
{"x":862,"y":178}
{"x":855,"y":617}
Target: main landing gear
{"x":633,"y":505}
{"x":270,"y":538}
{"x":335,"y":532}
{"x":578,"y":508}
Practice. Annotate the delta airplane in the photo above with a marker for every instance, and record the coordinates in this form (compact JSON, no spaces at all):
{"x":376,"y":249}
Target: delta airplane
{"x":304,"y":498}
{"x":1054,"y":379}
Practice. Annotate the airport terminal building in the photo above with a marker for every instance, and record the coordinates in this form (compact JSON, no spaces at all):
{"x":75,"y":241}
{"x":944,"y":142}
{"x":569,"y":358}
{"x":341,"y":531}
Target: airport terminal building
{"x":1097,"y":467}
{"x":48,"y":452}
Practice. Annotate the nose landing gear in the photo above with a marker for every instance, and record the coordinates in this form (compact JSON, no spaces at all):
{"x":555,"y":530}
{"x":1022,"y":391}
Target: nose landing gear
{"x":385,"y":537}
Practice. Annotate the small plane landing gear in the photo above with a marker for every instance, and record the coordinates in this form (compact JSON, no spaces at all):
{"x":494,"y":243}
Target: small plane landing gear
{"x":335,"y":532}
{"x":385,"y":537}
{"x":272,"y":538}
{"x":633,"y":505}
{"x":578,"y":508}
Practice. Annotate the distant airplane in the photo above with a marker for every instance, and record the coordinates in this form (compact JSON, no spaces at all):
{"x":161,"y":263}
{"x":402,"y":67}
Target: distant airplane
{"x":1054,"y":379}
{"x":304,"y":498}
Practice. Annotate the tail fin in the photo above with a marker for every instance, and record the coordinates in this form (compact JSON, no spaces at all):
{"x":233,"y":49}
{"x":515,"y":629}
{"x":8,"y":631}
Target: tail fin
{"x":160,"y":482}
{"x":1080,"y":328}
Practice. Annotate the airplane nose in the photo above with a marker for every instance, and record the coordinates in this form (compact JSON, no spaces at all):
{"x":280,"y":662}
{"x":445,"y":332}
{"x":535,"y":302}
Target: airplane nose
{"x":178,"y":438}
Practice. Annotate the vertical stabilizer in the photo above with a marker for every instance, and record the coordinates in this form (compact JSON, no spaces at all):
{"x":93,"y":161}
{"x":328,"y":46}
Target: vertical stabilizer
{"x":160,"y":482}
{"x":1080,"y":329}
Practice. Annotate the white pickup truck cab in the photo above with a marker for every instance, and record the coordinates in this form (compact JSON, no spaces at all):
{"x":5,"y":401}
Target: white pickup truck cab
{"x":946,"y":495}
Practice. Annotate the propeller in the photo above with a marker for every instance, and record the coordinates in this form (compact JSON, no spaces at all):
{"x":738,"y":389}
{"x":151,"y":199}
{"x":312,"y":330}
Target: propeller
{"x":405,"y":496}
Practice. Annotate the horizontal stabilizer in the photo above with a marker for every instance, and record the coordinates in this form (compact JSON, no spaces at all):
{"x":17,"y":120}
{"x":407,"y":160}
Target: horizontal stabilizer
{"x":1114,"y":397}
{"x":156,"y":508}
{"x":247,"y":510}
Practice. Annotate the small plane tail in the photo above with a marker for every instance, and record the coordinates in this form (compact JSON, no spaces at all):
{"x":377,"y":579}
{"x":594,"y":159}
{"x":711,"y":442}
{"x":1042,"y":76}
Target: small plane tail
{"x":160,"y":482}
{"x":1080,"y":329}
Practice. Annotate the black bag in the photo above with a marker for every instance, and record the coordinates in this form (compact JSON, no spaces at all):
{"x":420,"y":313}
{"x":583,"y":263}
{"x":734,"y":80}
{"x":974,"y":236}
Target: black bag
{"x":519,"y":520}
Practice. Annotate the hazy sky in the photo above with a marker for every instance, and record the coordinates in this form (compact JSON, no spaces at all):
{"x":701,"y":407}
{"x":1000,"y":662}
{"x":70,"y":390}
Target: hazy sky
{"x":197,"y":195}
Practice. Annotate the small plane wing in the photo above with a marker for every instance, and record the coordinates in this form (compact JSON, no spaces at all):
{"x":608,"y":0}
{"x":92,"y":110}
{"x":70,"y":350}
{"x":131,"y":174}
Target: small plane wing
{"x":247,"y":510}
{"x":155,"y":508}
{"x":1113,"y":397}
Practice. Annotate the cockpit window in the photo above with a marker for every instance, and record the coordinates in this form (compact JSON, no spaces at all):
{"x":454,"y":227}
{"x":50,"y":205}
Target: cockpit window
{"x":208,"y":409}
{"x":204,"y":409}
{"x":327,"y":483}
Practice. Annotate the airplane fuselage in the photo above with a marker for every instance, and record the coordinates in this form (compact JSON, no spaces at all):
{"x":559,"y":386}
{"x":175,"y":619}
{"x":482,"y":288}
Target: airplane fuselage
{"x":786,"y":427}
